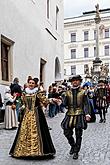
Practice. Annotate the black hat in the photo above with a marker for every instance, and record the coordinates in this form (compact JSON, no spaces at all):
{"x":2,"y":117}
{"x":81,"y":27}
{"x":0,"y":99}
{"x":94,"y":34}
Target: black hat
{"x":75,"y":77}
{"x":106,"y":82}
{"x":101,"y":81}
{"x":36,"y":80}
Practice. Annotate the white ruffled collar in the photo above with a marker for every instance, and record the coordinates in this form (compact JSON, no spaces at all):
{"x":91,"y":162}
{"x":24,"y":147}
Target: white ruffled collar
{"x":75,"y":87}
{"x":31,"y":91}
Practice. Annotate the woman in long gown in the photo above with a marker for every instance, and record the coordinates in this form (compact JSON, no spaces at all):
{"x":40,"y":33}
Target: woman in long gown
{"x":10,"y":118}
{"x":33,"y":138}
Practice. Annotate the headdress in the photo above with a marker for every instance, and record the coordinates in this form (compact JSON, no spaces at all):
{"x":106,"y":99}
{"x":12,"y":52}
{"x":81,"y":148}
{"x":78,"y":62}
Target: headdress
{"x":76,"y":77}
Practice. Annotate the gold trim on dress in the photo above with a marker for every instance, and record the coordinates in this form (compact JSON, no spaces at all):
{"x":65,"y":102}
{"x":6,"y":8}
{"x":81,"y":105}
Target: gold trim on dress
{"x":29,"y":142}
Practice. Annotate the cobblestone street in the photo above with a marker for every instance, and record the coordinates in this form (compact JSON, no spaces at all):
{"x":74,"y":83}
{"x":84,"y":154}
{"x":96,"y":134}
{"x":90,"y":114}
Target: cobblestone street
{"x":95,"y":148}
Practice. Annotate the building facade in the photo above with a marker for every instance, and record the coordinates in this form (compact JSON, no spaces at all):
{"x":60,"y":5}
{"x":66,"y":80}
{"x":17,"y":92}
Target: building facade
{"x":31,"y":35}
{"x":80,"y":42}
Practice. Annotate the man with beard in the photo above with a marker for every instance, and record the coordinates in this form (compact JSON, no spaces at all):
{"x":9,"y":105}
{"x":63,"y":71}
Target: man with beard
{"x":78,"y":112}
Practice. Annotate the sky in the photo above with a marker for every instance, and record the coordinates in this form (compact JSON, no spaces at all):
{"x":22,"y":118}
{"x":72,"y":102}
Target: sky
{"x":73,"y":8}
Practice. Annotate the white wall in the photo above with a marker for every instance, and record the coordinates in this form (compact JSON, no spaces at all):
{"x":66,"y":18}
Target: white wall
{"x":24,"y":22}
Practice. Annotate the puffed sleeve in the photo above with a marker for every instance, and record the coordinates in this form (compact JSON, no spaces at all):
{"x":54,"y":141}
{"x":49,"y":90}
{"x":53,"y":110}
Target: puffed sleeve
{"x":41,"y":100}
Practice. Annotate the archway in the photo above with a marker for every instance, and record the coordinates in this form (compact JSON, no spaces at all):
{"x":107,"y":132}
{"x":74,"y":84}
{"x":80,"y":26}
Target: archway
{"x":57,"y":70}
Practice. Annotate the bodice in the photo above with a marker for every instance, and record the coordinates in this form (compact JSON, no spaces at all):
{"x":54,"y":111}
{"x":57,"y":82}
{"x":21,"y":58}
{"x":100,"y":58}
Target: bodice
{"x":29,"y":100}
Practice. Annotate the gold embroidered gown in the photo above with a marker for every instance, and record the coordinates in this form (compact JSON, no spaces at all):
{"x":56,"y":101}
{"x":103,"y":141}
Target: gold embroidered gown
{"x":33,"y":137}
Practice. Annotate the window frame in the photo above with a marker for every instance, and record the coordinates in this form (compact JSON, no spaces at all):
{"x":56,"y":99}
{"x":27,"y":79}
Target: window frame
{"x":73,"y":37}
{"x":73,"y":53}
{"x":57,"y":15}
{"x":95,"y":53}
{"x":86,"y":35}
{"x":94,"y":34}
{"x":86,"y":67}
{"x":86,"y":52}
{"x":73,"y":70}
{"x":9,"y":44}
{"x":48,"y":9}
{"x":107,"y":33}
{"x":64,"y":71}
{"x":106,"y":50}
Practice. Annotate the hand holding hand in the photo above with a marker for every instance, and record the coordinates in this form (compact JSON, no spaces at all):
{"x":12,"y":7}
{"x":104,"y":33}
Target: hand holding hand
{"x":14,"y":94}
{"x":104,"y":97}
{"x":88,"y":118}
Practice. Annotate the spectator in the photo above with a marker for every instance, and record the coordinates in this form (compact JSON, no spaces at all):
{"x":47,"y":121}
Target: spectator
{"x":1,"y":103}
{"x":10,"y":114}
{"x":16,"y":88}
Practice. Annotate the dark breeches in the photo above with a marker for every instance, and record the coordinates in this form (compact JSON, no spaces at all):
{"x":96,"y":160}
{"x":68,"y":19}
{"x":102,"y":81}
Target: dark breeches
{"x":76,"y":144}
{"x":100,"y":112}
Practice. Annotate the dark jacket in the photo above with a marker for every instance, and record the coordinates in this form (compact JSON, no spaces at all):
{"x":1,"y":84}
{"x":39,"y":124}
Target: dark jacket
{"x":15,"y":88}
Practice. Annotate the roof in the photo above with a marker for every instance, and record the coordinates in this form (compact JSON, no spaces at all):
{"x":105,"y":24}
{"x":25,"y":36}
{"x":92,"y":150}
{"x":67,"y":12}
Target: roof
{"x":90,"y":15}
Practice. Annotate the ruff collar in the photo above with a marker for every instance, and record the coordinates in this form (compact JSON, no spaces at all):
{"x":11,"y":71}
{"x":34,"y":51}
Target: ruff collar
{"x":76,"y":87}
{"x":31,"y":91}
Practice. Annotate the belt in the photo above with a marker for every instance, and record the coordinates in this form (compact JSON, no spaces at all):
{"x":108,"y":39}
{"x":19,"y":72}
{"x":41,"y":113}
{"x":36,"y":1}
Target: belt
{"x":75,"y":112}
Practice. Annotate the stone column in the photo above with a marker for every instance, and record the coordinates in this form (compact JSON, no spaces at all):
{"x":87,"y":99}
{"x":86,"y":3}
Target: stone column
{"x":97,"y":62}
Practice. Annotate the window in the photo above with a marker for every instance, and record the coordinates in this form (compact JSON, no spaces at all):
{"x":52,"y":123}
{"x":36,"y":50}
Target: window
{"x":86,"y":36}
{"x":73,"y":37}
{"x":48,"y":10}
{"x":94,"y":51}
{"x":4,"y":61}
{"x":42,"y":69}
{"x":86,"y":68}
{"x":106,"y":33}
{"x":64,"y":71}
{"x":106,"y":50}
{"x":73,"y":70}
{"x":6,"y":50}
{"x":86,"y":52}
{"x":94,"y":34}
{"x":73,"y":53}
{"x":107,"y":64}
{"x":57,"y":13}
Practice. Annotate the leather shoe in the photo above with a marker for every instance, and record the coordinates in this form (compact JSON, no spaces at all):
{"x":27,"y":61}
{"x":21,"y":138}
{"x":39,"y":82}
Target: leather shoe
{"x":71,"y":151}
{"x":75,"y":156}
{"x":49,"y":128}
{"x":104,"y":120}
{"x":101,"y":120}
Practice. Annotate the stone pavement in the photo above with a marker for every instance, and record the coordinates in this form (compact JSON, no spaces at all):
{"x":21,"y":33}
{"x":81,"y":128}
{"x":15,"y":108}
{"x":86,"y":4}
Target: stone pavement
{"x":95,"y":148}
